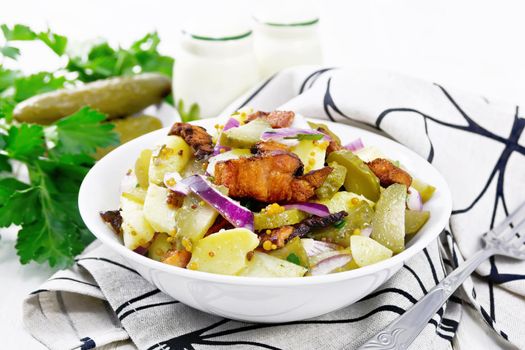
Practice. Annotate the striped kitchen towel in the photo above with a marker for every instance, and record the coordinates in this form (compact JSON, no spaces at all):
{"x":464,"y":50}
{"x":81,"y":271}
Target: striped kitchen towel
{"x":477,"y":144}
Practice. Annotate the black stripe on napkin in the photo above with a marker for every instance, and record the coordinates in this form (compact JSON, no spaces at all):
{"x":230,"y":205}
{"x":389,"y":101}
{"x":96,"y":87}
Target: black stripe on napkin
{"x":108,"y":261}
{"x":134,"y":300}
{"x":87,"y":343}
{"x":73,"y":280}
{"x":127,"y":313}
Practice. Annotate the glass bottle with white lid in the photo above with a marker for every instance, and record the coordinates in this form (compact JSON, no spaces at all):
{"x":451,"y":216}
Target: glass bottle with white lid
{"x":285,"y":35}
{"x":215,"y":64}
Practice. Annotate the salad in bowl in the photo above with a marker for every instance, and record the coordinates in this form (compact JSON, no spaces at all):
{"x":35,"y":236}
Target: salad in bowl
{"x":267,"y":194}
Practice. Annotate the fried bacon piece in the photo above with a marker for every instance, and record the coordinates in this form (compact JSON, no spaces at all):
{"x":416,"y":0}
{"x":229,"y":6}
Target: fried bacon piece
{"x":314,"y":222}
{"x":278,"y":236}
{"x":268,"y":178}
{"x":179,"y":258}
{"x":114,"y":219}
{"x":388,"y":173}
{"x":334,"y":145}
{"x":262,"y":147}
{"x":195,"y":136}
{"x":174,"y":199}
{"x":277,"y":119}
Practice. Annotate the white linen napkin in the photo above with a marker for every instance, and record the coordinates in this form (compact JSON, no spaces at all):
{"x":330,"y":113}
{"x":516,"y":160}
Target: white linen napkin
{"x":476,"y":144}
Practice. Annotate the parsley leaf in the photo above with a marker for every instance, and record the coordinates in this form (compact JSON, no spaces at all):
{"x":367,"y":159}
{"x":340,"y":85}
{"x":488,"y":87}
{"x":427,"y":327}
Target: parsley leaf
{"x":4,"y":163}
{"x":55,"y":42}
{"x":35,"y":84}
{"x":7,"y":106}
{"x":104,"y":61}
{"x":21,"y":207}
{"x":193,"y":112}
{"x":81,"y":133}
{"x":18,"y":32}
{"x":7,"y":78}
{"x":10,"y":51}
{"x":8,"y":186}
{"x":25,"y":142}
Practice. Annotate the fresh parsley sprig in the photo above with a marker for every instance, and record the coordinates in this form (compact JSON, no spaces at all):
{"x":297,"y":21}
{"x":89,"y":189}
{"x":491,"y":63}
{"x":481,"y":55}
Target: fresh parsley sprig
{"x":57,"y":156}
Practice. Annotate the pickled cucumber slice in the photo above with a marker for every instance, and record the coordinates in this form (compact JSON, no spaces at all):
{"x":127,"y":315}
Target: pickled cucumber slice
{"x":264,"y":221}
{"x":366,"y":251}
{"x":388,"y":224}
{"x":324,"y":128}
{"x":293,"y":252}
{"x":359,"y":178}
{"x":264,"y":265}
{"x":159,"y":246}
{"x":425,"y":190}
{"x":244,"y":136}
{"x":333,"y":182}
{"x":414,"y":220}
{"x":224,"y":252}
{"x":359,"y":217}
{"x":142,"y":168}
{"x":193,"y":220}
{"x":116,"y":97}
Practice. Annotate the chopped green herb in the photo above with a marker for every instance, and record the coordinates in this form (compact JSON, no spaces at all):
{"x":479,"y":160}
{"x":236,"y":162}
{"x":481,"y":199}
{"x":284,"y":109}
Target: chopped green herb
{"x":340,"y":224}
{"x":293,"y":259}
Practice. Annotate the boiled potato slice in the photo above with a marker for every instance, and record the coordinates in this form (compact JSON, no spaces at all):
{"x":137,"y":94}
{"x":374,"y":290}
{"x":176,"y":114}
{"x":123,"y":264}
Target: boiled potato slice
{"x":369,"y":153}
{"x":159,"y":246}
{"x":157,"y":211}
{"x":136,"y":194}
{"x":142,"y":167}
{"x":193,"y":220}
{"x":135,"y":228}
{"x":171,"y":155}
{"x":264,"y":265}
{"x":388,"y":224}
{"x":312,"y":153}
{"x":233,"y":154}
{"x":343,"y":201}
{"x":223,"y":252}
{"x":366,"y":251}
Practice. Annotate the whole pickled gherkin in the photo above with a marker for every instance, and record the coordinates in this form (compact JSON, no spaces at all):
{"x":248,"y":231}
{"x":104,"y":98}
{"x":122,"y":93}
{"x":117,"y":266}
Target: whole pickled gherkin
{"x":359,"y":178}
{"x":333,"y":182}
{"x":130,"y":128}
{"x":116,"y":97}
{"x":262,"y":220}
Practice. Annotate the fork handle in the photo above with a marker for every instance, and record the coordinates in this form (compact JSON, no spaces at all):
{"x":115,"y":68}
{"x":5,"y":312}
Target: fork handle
{"x":399,"y":334}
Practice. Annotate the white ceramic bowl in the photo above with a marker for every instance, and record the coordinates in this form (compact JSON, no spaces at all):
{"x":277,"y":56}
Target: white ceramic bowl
{"x":249,"y":298}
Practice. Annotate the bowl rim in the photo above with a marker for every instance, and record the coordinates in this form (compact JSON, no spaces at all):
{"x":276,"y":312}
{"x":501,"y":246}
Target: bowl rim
{"x":398,"y":259}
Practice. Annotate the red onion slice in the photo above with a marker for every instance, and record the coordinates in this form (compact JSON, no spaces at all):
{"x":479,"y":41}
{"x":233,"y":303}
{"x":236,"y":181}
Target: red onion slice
{"x":291,"y":133}
{"x":179,"y":186}
{"x":355,"y":145}
{"x":414,"y":201}
{"x":331,"y":263}
{"x":231,"y":210}
{"x":313,"y":247}
{"x":310,"y":208}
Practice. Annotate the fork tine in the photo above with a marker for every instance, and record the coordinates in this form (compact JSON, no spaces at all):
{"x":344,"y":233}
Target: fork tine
{"x":509,"y":219}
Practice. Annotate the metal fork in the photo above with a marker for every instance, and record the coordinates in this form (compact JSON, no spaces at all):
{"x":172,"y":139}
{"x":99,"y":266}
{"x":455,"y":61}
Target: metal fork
{"x":505,"y":240}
